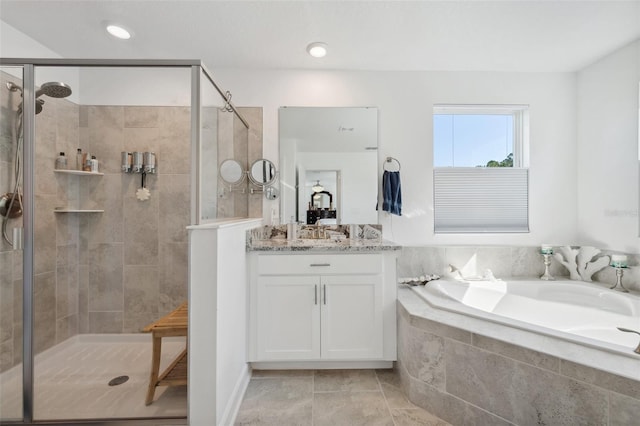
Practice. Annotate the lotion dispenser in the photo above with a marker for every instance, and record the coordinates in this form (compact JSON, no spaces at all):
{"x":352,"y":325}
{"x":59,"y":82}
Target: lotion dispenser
{"x":292,"y":228}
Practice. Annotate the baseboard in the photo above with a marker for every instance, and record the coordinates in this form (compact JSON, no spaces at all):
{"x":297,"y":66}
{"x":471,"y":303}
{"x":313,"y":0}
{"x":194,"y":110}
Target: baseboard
{"x":320,"y":365}
{"x":233,"y":406}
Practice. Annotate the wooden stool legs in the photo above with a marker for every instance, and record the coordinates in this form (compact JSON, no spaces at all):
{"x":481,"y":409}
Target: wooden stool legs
{"x":172,"y":325}
{"x":155,"y":368}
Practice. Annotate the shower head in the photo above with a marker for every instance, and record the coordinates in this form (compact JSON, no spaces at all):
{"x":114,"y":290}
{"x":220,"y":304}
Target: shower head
{"x":39,"y":105}
{"x":54,"y":89}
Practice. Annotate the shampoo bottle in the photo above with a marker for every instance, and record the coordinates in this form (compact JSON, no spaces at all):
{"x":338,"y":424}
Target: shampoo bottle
{"x":94,"y":164}
{"x":79,"y":159}
{"x":61,"y":162}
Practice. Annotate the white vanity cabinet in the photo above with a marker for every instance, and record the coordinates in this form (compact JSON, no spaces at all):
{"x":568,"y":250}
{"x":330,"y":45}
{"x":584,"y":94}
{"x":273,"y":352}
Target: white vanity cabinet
{"x":322,"y":307}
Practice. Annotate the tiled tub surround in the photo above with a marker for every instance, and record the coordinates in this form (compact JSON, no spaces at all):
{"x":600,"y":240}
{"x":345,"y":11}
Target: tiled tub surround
{"x":463,"y":370}
{"x":596,"y":348}
{"x":503,"y":262}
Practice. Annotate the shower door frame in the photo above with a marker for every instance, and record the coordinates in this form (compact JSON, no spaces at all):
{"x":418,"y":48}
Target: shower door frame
{"x":29,"y":99}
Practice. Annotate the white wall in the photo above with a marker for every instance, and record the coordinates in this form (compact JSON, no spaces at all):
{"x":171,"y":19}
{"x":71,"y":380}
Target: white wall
{"x":607,"y":153}
{"x":15,"y":44}
{"x":143,"y":86}
{"x":405,"y":101}
{"x":218,"y":369}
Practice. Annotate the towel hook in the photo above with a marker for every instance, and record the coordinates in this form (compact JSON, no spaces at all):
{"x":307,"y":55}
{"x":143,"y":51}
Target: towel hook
{"x":389,"y":160}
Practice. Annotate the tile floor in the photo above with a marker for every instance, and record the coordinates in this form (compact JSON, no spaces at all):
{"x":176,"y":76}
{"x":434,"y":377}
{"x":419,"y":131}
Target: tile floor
{"x":71,"y":380}
{"x":329,"y":397}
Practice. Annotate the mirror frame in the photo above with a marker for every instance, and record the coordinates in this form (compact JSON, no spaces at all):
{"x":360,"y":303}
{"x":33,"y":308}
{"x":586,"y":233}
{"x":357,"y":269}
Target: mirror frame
{"x":259,"y":182}
{"x":242,"y":172}
{"x":323,"y":193}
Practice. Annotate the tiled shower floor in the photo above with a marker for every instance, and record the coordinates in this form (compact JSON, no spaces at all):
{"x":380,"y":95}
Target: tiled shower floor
{"x":71,"y":380}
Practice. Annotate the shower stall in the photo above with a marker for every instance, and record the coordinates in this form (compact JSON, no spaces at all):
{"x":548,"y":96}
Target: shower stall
{"x":90,"y":256}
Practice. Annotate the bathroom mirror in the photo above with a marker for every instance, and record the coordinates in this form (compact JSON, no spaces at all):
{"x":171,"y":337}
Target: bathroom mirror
{"x":262,"y":172}
{"x":231,"y":172}
{"x":342,"y":141}
{"x":322,"y":200}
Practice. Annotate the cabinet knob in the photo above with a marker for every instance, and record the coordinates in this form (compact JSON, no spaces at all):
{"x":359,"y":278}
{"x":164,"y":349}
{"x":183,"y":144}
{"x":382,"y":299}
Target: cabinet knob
{"x":320,"y":264}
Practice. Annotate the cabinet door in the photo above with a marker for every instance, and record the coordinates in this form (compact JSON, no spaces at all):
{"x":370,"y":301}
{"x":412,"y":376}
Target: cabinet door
{"x":288,"y":318}
{"x":351,"y":317}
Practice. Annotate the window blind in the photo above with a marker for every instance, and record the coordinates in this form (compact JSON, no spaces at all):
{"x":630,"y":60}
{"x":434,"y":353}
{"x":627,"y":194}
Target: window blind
{"x":478,"y":199}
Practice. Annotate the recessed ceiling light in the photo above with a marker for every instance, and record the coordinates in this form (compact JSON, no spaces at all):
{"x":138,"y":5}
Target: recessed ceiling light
{"x":317,"y":49}
{"x":118,"y":32}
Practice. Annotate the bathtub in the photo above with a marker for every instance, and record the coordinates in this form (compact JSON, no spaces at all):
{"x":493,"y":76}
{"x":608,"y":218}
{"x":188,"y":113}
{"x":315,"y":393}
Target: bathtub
{"x":579,"y":312}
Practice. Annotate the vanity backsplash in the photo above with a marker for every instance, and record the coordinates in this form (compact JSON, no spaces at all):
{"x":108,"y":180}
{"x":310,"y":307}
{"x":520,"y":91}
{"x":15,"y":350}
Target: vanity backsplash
{"x":279,"y":232}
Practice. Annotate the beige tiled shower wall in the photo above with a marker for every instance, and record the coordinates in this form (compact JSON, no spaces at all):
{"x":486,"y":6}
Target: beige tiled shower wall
{"x":115,"y":271}
{"x":10,"y":261}
{"x":254,"y":152}
{"x":133,"y":257}
{"x":245,"y":146}
{"x":56,"y":236}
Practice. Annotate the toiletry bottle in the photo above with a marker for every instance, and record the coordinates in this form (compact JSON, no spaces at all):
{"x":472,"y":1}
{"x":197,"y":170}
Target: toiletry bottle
{"x":292,"y":228}
{"x":83,"y":164}
{"x":87,"y":163}
{"x":79,"y":159}
{"x":61,"y":162}
{"x":94,"y":164}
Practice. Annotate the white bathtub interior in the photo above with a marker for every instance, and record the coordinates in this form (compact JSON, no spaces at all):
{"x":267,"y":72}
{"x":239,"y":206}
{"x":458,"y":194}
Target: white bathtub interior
{"x":581,"y":312}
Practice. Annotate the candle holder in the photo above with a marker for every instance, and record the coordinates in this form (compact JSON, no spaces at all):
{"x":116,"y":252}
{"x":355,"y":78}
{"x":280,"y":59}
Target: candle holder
{"x":547,"y":262}
{"x":619,"y":273}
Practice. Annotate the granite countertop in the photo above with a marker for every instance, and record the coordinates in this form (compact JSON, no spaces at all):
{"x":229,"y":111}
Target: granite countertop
{"x":311,"y":245}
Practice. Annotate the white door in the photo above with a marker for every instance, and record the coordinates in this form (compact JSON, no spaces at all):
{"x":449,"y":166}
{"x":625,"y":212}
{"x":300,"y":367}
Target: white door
{"x":288,"y":317}
{"x":351,"y":317}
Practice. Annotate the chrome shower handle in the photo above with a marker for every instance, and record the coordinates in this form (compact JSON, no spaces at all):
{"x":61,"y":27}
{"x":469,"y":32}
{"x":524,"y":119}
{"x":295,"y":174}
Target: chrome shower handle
{"x":626,"y":330}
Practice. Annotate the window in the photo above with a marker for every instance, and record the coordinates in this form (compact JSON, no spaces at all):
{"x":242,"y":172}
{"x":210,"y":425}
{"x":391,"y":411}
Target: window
{"x":480,"y":168}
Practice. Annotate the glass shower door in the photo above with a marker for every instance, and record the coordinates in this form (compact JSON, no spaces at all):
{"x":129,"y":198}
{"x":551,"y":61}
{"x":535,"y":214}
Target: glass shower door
{"x":11,"y":174}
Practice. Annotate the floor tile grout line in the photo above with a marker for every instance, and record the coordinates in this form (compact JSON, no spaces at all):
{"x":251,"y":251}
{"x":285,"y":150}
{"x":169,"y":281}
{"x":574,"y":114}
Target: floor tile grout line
{"x":313,"y":395}
{"x":384,"y":397}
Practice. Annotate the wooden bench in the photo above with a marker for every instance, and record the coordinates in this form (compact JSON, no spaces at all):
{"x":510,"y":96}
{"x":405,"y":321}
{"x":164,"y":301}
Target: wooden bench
{"x":172,"y":324}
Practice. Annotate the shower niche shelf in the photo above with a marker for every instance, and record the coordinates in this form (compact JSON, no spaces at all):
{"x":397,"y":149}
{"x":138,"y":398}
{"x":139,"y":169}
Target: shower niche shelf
{"x":72,"y":209}
{"x":78,"y":172}
{"x":77,"y":211}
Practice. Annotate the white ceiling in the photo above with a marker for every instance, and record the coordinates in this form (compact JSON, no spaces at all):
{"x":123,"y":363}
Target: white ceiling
{"x":362,"y":35}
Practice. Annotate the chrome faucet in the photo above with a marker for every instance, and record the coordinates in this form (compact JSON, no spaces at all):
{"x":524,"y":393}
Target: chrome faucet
{"x":320,"y":231}
{"x":626,"y":330}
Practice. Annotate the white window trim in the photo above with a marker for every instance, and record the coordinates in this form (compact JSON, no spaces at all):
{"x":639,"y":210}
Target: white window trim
{"x":520,"y":124}
{"x":461,"y":206}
